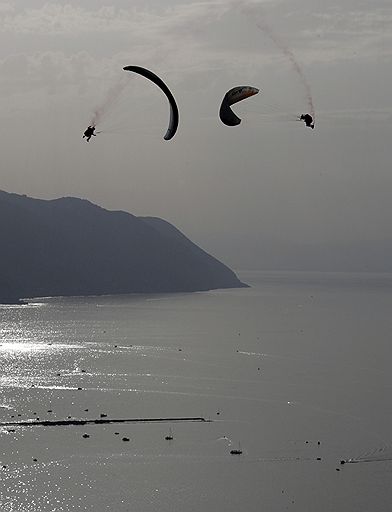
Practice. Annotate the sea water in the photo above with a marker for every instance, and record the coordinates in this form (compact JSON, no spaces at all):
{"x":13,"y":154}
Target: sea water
{"x":297,"y":369}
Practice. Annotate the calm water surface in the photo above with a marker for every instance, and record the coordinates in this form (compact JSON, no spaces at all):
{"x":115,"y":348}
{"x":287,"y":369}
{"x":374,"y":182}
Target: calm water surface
{"x":296,"y":369}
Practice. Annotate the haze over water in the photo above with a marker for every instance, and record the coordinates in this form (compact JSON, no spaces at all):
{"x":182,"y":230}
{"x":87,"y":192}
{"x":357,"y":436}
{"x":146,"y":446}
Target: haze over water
{"x":294,"y":361}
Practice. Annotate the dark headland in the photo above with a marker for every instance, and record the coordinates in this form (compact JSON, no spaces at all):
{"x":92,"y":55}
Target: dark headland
{"x":72,"y":247}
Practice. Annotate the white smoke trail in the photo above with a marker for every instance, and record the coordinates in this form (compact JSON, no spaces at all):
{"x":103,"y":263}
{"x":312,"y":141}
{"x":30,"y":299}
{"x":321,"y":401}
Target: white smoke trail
{"x":110,"y":100}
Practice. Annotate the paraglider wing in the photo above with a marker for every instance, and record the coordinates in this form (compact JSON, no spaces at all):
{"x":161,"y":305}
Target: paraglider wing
{"x":236,"y":94}
{"x":174,"y":115}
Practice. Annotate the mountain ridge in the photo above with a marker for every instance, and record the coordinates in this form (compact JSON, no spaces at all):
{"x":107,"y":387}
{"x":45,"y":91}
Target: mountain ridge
{"x":71,"y":246}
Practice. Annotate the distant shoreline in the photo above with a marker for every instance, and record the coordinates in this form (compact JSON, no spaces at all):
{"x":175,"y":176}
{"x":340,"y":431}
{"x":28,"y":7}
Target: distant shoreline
{"x":27,"y":300}
{"x":11,"y":301}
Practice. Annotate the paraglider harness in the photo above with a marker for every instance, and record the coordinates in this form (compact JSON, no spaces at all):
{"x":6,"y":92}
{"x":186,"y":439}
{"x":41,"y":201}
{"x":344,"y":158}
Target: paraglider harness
{"x":89,"y":133}
{"x":308,"y":120}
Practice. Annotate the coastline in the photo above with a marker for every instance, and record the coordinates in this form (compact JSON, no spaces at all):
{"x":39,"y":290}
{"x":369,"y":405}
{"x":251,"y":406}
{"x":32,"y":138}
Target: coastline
{"x":10,"y":301}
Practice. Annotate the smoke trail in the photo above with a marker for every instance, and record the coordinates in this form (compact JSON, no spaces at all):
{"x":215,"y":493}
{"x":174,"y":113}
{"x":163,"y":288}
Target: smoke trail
{"x":109,"y":101}
{"x":266,"y":29}
{"x":290,"y":55}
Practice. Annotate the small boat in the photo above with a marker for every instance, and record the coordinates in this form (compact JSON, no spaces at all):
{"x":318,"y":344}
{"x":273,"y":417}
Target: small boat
{"x":236,"y":451}
{"x":169,"y":436}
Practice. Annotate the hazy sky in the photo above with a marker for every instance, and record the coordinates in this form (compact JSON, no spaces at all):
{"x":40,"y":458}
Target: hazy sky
{"x":250,"y":194}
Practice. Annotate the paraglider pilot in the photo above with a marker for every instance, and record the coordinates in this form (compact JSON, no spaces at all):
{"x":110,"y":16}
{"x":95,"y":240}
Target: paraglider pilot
{"x":308,"y":120}
{"x":89,"y":133}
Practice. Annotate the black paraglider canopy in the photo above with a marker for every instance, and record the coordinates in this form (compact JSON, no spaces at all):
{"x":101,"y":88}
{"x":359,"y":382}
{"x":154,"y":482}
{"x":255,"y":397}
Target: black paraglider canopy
{"x":174,"y":115}
{"x":236,"y":94}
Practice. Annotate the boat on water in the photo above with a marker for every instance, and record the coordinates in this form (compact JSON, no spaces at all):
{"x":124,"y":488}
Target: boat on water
{"x":169,"y":436}
{"x":236,"y":451}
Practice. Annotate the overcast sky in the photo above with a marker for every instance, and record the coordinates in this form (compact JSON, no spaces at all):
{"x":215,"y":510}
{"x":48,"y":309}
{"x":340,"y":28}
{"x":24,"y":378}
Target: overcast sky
{"x":248,"y":193}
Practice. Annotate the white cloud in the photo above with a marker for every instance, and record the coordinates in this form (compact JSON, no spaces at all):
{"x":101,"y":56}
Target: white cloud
{"x":189,"y":40}
{"x":190,"y":31}
{"x":337,"y":30}
{"x":6,"y":8}
{"x":57,"y":19}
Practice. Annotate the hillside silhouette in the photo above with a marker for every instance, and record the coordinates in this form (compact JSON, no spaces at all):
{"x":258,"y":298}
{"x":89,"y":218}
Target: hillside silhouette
{"x":70,"y":246}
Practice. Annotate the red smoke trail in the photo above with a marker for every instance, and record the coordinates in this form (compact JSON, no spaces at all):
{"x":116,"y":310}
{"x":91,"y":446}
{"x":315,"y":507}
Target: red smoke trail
{"x":110,"y":100}
{"x":262,"y":25}
{"x":290,"y":55}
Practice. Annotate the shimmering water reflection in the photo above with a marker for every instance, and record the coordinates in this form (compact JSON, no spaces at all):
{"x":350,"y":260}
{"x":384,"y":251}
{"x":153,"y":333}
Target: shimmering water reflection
{"x":296,"y":369}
